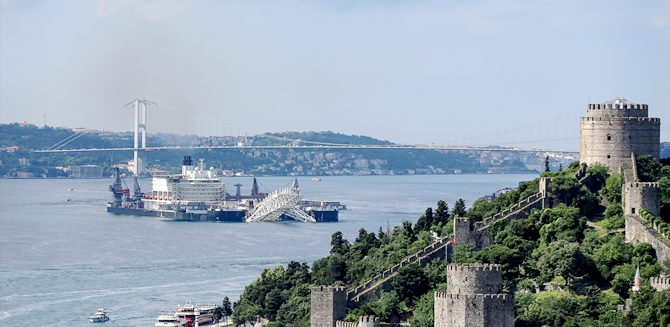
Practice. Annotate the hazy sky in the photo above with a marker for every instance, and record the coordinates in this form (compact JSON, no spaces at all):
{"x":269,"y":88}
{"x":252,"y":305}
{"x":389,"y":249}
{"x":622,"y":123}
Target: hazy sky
{"x":404,"y":71}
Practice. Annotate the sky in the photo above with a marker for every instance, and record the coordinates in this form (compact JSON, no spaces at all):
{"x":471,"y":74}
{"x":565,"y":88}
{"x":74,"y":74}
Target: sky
{"x":508,"y":72}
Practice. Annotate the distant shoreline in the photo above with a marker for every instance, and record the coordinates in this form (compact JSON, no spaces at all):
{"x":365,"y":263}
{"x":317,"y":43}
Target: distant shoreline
{"x":299,"y":176}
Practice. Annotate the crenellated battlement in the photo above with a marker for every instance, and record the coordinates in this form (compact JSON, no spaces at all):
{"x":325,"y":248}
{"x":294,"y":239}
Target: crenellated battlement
{"x":323,"y":288}
{"x":643,"y":185}
{"x":616,"y":106}
{"x":474,"y":278}
{"x":449,"y":296}
{"x":660,"y":283}
{"x":474,"y":267}
{"x":612,"y":130}
{"x":652,"y":120}
{"x":328,"y":305}
{"x":368,"y":319}
{"x":341,"y":323}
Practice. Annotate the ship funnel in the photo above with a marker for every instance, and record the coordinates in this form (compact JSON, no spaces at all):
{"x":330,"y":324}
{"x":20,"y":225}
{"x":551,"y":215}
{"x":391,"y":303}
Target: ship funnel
{"x":295,"y":183}
{"x":187,"y":161}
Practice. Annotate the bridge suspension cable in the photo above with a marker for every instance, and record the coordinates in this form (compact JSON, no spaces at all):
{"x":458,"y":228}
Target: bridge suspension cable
{"x":511,"y":130}
{"x":83,"y":131}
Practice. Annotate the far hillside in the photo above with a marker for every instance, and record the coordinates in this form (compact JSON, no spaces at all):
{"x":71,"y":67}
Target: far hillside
{"x":316,"y":137}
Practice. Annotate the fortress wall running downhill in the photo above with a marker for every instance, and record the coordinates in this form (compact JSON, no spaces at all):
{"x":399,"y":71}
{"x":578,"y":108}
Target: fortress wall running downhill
{"x":637,"y":232}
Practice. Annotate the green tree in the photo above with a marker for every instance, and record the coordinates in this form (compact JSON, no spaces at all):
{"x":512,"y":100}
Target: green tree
{"x":327,"y":271}
{"x":387,"y":306}
{"x":464,"y":253}
{"x":612,"y":189}
{"x":459,"y":208}
{"x":546,"y":164}
{"x":407,"y":231}
{"x":249,"y":313}
{"x":441,"y":213}
{"x":225,"y":310}
{"x":614,"y":216}
{"x":560,"y":258}
{"x":648,"y":169}
{"x":410,"y":283}
{"x":599,"y":174}
{"x":424,"y":313}
{"x":425,"y":221}
{"x":338,"y":244}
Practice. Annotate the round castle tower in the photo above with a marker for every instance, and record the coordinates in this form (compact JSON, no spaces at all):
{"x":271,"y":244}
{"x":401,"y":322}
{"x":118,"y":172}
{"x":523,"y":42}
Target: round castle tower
{"x":473,"y":298}
{"x":614,"y":129}
{"x":474,"y":279}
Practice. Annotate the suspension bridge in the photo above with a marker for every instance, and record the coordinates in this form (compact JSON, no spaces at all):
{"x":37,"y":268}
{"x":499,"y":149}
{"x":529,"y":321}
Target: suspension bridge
{"x":536,"y":133}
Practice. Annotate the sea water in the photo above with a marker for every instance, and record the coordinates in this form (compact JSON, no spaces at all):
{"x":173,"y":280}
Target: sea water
{"x":62,"y":255}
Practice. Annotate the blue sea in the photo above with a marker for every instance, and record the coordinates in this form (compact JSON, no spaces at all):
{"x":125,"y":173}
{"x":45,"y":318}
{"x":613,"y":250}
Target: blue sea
{"x":62,"y":255}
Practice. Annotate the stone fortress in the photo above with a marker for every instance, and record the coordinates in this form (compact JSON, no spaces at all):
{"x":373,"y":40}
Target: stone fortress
{"x":474,"y":298}
{"x":614,"y":133}
{"x":612,"y":130}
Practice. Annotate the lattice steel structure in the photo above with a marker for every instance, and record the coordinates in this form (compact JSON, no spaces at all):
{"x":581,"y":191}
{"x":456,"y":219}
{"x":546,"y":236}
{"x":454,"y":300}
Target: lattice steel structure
{"x":281,"y":202}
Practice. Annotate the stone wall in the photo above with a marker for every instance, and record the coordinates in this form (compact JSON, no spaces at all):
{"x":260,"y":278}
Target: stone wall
{"x":342,"y":323}
{"x":645,"y":196}
{"x":328,"y":305}
{"x":637,"y":232}
{"x":611,"y":131}
{"x":660,"y":283}
{"x":463,"y":233}
{"x":372,"y":289}
{"x":474,"y":278}
{"x":368,"y":321}
{"x":472,"y":298}
{"x":520,"y":209}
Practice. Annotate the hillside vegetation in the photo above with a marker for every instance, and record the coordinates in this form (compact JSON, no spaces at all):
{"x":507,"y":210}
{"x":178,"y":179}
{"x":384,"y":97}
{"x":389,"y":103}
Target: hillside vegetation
{"x":563,"y":270}
{"x":17,"y":143}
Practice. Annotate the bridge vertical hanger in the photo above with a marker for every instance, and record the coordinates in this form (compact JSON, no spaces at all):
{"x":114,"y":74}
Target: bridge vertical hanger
{"x":140,"y":123}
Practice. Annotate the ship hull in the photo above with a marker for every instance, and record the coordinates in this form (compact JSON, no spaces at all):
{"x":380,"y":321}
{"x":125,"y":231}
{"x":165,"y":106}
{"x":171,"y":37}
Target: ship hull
{"x":211,"y":215}
{"x":327,"y":215}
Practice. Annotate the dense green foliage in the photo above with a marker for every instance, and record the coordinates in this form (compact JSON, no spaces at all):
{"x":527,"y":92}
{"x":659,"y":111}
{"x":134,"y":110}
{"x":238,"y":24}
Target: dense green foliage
{"x":650,"y":170}
{"x":563,"y":272}
{"x":315,"y":138}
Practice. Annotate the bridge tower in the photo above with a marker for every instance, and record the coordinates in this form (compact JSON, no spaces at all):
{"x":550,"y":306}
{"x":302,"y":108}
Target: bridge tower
{"x":140,"y":124}
{"x":614,"y":129}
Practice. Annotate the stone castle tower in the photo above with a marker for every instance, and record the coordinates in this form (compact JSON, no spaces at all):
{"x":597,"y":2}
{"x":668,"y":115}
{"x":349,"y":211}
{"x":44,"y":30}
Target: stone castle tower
{"x":328,"y":305}
{"x":614,"y":129}
{"x":473,"y":298}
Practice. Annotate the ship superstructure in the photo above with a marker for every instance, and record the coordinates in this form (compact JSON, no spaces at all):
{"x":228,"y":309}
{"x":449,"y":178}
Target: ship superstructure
{"x":196,"y":189}
{"x":198,"y":194}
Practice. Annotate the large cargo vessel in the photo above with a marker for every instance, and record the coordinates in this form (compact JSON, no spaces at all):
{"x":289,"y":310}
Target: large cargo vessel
{"x":198,"y":194}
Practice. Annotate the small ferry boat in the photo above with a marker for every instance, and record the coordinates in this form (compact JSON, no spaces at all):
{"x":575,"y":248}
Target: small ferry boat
{"x":202,"y":313}
{"x":169,"y":319}
{"x":99,"y":316}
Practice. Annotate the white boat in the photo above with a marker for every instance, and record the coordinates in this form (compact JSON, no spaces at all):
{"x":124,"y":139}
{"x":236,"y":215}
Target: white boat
{"x":203,"y":314}
{"x":99,"y":316}
{"x":169,"y":319}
